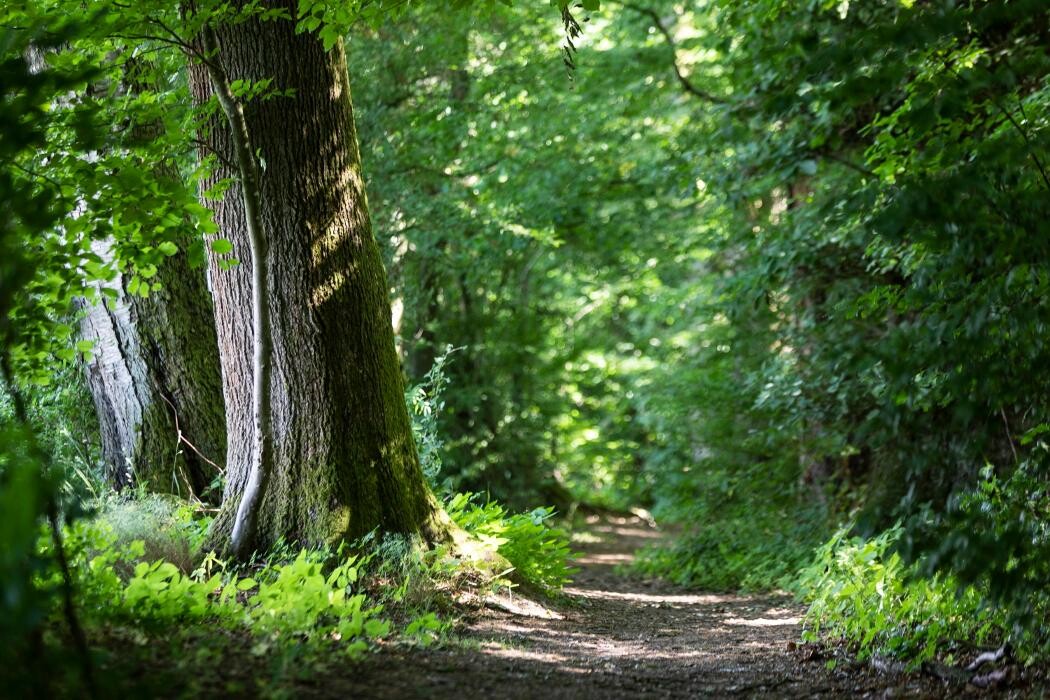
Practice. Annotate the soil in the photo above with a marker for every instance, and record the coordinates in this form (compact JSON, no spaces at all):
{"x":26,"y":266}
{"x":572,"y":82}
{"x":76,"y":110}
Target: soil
{"x":617,"y":636}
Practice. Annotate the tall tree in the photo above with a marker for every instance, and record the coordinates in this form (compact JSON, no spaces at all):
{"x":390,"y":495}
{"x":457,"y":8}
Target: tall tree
{"x":343,"y":460}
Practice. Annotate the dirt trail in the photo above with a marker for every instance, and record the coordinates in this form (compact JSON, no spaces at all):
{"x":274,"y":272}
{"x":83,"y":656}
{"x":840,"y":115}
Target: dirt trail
{"x":621,"y":637}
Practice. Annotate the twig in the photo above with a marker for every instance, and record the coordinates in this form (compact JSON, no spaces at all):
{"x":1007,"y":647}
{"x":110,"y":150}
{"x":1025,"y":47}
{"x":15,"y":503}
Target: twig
{"x":687,"y":85}
{"x":181,"y":437}
{"x":1028,"y":143}
{"x":1009,"y":438}
{"x":1031,"y":151}
{"x":1013,"y":122}
{"x":154,"y":37}
{"x":201,"y":143}
{"x":32,"y":173}
{"x":850,"y":164}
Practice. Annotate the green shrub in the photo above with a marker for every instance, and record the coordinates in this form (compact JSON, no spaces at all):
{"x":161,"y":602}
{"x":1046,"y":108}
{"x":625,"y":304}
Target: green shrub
{"x":426,"y":629}
{"x":757,"y":549}
{"x":996,"y":537}
{"x":859,"y":590}
{"x":117,"y":580}
{"x":538,"y":552}
{"x":286,"y":602}
{"x":304,"y":603}
{"x":406,"y":573}
{"x":159,"y":594}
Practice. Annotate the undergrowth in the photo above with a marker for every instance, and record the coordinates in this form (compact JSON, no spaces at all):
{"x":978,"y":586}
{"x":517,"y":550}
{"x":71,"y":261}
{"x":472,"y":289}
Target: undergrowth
{"x":538,"y":552}
{"x":138,"y":573}
{"x":869,"y":594}
{"x":757,"y":551}
{"x":861,"y":592}
{"x":312,"y":600}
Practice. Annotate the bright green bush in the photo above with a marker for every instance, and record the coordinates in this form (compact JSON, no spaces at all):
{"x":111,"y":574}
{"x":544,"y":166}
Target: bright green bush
{"x":859,"y":590}
{"x":304,"y":602}
{"x":159,"y":594}
{"x":285,"y":602}
{"x":538,"y":551}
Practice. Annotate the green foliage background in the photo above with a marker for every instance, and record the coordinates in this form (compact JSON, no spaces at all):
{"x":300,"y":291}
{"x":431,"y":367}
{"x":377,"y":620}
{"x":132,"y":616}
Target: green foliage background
{"x":764,"y":267}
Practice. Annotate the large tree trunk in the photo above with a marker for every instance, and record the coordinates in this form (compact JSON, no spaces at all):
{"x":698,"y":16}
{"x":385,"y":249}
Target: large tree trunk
{"x":344,"y":461}
{"x":154,"y":378}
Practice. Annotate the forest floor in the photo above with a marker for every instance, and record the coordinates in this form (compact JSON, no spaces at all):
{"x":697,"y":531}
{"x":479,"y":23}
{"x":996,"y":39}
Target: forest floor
{"x":611,"y":635}
{"x":616,"y":636}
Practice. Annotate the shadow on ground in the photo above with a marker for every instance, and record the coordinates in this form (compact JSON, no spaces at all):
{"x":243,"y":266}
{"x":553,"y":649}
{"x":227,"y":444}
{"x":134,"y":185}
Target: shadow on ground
{"x":623,"y":637}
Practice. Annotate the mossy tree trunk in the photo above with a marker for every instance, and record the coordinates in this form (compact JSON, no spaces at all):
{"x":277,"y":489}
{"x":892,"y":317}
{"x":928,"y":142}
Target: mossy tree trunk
{"x":155,"y":382}
{"x":344,"y":461}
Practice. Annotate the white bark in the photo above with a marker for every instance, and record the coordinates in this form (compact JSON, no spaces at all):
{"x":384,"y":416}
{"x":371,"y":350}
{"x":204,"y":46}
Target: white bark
{"x":246,"y":521}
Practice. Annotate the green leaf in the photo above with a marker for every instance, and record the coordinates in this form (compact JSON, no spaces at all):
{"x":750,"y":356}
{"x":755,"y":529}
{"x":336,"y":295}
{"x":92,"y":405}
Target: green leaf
{"x":221,"y":246}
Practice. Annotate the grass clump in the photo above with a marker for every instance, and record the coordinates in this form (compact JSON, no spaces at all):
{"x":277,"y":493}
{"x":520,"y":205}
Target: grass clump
{"x":170,"y":529}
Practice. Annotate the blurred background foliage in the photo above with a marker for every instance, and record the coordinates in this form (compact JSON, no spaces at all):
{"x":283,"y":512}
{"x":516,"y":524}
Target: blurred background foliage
{"x":762,"y":267}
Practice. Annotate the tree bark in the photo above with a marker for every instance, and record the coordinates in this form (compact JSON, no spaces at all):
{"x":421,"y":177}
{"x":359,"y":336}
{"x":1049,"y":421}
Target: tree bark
{"x":153,"y":373}
{"x":154,"y":378}
{"x":344,"y":460}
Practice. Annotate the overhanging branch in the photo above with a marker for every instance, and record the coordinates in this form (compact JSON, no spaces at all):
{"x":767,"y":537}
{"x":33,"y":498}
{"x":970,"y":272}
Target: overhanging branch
{"x":683,"y":80}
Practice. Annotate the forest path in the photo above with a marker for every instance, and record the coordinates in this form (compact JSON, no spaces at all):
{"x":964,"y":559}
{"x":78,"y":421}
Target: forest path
{"x":624,"y":637}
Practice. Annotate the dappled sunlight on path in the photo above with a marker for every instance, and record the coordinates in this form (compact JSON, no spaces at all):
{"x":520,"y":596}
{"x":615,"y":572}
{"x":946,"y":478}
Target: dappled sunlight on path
{"x":620,"y":636}
{"x":627,"y":636}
